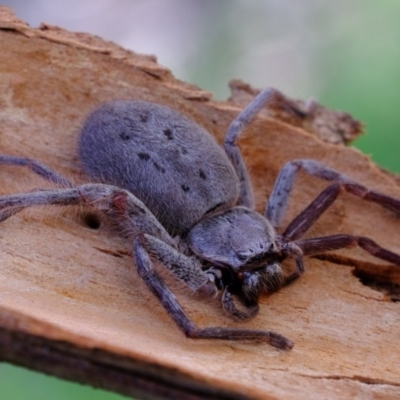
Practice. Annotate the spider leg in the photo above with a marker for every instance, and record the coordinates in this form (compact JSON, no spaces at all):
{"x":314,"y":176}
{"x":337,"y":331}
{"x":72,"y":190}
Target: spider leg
{"x":187,"y":269}
{"x":231,"y":148}
{"x":263,"y":99}
{"x":229,"y":306}
{"x":320,"y":245}
{"x":170,"y":303}
{"x":129,"y":212}
{"x":40,"y":197}
{"x":283,"y":186}
{"x":38,"y":168}
{"x":291,"y":249}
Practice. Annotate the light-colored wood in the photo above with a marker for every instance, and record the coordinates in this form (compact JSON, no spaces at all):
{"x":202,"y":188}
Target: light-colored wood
{"x":71,"y":300}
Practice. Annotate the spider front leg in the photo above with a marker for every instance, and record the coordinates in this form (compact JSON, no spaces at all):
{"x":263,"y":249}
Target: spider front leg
{"x":186,"y":269}
{"x":279,"y":198}
{"x":314,"y":246}
{"x":263,"y":99}
{"x":170,"y":303}
{"x":232,"y":150}
{"x":189,"y":270}
{"x":300,"y":225}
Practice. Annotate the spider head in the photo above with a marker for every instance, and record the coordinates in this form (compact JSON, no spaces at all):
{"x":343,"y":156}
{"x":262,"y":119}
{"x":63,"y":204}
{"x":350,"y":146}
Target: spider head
{"x":245,"y":247}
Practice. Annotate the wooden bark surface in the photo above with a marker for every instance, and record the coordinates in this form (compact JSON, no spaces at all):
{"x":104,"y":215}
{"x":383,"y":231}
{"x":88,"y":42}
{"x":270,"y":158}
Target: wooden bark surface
{"x":71,"y":302}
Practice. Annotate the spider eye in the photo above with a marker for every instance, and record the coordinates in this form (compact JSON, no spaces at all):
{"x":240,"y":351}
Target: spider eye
{"x":242,"y":257}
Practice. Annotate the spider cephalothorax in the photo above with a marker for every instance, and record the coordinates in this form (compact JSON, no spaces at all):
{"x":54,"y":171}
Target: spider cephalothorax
{"x":248,"y":249}
{"x":188,"y":203}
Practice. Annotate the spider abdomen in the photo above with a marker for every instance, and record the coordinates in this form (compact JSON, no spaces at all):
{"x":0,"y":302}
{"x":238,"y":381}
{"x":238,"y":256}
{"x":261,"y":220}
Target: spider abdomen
{"x":170,"y":163}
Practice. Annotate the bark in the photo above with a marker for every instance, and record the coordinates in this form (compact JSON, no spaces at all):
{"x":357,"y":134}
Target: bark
{"x":71,"y":301}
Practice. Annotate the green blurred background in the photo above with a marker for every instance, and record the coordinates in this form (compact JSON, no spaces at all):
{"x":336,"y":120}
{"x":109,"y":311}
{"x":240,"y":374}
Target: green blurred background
{"x":345,"y":53}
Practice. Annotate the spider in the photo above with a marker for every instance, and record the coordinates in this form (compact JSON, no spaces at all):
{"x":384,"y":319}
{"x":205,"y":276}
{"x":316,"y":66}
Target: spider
{"x":188,"y":203}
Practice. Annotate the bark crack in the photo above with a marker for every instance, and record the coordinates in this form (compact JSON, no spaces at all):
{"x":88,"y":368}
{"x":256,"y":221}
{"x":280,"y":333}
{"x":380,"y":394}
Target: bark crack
{"x":356,"y":378}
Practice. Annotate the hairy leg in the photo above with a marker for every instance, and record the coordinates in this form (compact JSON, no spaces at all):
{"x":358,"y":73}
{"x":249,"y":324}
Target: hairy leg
{"x":38,"y":168}
{"x":283,"y":186}
{"x":170,"y":303}
{"x":187,"y":269}
{"x":314,"y":246}
{"x":231,"y":148}
{"x":128,"y":211}
{"x":263,"y":99}
{"x":243,"y":313}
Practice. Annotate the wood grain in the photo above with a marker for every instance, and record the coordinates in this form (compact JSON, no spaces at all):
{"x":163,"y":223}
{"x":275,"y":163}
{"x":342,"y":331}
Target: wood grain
{"x":71,"y":302}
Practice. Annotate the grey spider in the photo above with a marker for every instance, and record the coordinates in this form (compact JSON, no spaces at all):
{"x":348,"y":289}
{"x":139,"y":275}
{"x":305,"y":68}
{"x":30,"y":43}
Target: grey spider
{"x":188,"y":203}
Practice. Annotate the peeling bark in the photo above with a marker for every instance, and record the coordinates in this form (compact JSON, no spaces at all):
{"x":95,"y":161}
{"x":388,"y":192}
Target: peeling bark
{"x":71,"y":302}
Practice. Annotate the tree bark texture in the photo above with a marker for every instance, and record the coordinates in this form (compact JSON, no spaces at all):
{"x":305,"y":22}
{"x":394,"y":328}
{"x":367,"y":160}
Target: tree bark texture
{"x":71,"y":301}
